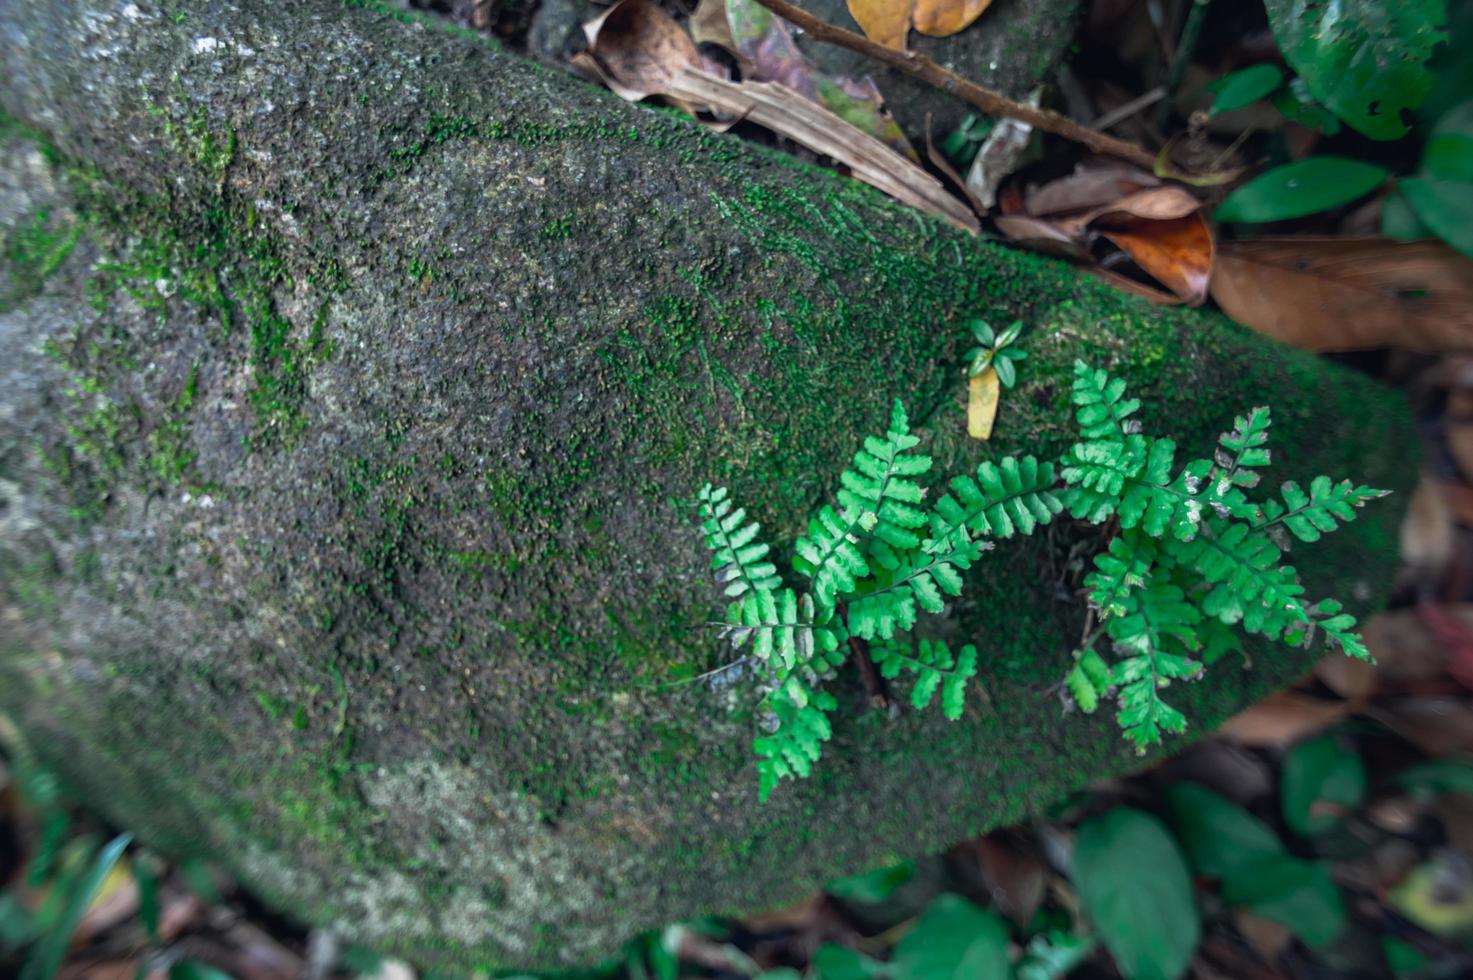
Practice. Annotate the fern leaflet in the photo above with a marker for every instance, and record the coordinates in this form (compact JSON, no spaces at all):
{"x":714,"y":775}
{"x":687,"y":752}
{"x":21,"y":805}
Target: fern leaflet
{"x":880,"y":484}
{"x":935,"y":669}
{"x":891,"y":604}
{"x":781,"y":625}
{"x":1100,"y":404}
{"x":1013,"y":496}
{"x":795,"y":744}
{"x":738,"y":558}
{"x":1088,"y":680}
{"x":1309,"y":516}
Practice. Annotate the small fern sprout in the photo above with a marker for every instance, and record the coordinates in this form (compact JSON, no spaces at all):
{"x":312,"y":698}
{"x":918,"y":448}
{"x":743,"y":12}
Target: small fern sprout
{"x":995,"y":350}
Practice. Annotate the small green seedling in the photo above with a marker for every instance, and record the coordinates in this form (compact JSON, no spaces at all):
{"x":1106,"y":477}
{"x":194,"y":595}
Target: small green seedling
{"x":996,"y":351}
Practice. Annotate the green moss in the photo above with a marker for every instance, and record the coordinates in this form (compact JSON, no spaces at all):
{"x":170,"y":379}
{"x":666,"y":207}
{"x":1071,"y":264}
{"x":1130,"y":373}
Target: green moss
{"x":33,"y":251}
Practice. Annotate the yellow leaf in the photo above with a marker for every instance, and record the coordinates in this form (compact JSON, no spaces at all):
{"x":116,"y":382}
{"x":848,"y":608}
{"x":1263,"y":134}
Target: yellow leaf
{"x":982,"y":392}
{"x":884,"y":21}
{"x":942,"y":18}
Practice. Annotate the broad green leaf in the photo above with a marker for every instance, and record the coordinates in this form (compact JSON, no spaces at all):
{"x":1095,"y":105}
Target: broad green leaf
{"x":195,"y":970}
{"x":47,"y":955}
{"x":834,"y":962}
{"x":1296,"y":104}
{"x":1300,"y":188}
{"x":1321,"y":779}
{"x":1445,"y":206}
{"x":1299,"y":895}
{"x":872,"y":886}
{"x":1449,"y":156}
{"x":1439,"y":776}
{"x":1244,"y":87}
{"x":1365,"y":59}
{"x":1399,"y":221}
{"x":954,"y":940}
{"x":1134,"y":885}
{"x":1221,"y":838}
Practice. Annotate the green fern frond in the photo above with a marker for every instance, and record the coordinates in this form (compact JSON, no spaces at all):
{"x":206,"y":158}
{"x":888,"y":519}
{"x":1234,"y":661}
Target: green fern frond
{"x":738,"y":558}
{"x":782,"y":626}
{"x":1142,"y":713}
{"x":1244,"y":449}
{"x":1088,"y":680}
{"x":935,"y":669}
{"x":795,"y":744}
{"x":1154,"y":615}
{"x":1119,"y":571}
{"x":829,"y":554}
{"x":1310,"y":516}
{"x":1013,"y":496}
{"x":1339,"y":626}
{"x":1100,"y":404}
{"x":920,"y":582}
{"x":880,"y":484}
{"x":1251,"y":585}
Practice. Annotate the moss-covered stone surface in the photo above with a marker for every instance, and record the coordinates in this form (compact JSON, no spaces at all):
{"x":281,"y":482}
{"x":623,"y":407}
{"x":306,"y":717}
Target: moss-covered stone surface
{"x":354,"y":380}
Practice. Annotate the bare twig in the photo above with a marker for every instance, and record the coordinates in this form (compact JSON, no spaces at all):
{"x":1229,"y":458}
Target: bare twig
{"x":874,"y":684}
{"x":1185,"y":48}
{"x":990,"y":102}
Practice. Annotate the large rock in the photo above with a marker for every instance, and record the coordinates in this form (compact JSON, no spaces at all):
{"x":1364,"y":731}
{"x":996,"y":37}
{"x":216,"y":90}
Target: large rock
{"x":354,"y":378}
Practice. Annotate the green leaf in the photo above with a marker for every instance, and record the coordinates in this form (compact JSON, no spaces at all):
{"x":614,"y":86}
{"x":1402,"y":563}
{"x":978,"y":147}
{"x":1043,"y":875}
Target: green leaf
{"x":1309,"y":515}
{"x":1088,"y":680}
{"x":921,"y":582}
{"x":1300,"y":188}
{"x":1445,"y":206}
{"x":1399,"y":221}
{"x":738,"y":558}
{"x":1100,"y":405}
{"x":1244,"y":87}
{"x":1013,"y":496}
{"x":1450,"y":775}
{"x":1053,"y":956}
{"x":835,"y":962}
{"x":46,"y":957}
{"x":1365,"y":59}
{"x":1296,"y":104}
{"x":1221,"y":838}
{"x":790,"y":751}
{"x":872,"y":886}
{"x":1006,"y":373}
{"x":935,"y":669}
{"x":195,"y":970}
{"x":1134,"y":885}
{"x":954,"y":940}
{"x":1321,"y":779}
{"x":1299,"y":895}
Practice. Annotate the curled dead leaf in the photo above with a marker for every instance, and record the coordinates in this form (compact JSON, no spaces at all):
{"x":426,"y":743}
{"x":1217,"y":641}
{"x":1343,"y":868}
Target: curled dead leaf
{"x":1331,"y":294}
{"x":888,"y":21}
{"x":635,"y":49}
{"x":1282,"y":719}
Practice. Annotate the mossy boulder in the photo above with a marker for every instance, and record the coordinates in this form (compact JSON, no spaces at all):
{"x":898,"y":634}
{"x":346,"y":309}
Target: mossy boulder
{"x":355,"y":380}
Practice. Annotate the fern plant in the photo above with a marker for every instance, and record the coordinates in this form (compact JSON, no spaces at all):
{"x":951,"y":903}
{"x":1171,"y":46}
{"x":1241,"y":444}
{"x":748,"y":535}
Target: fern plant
{"x":1191,"y":556}
{"x":869,"y":565}
{"x":1194,"y":556}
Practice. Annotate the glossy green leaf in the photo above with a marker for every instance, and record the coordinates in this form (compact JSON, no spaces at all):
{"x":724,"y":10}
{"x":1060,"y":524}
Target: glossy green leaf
{"x":1299,"y":895}
{"x":1220,"y":838}
{"x":1445,"y":206}
{"x":872,"y":886}
{"x":1365,"y":59}
{"x":1450,"y":775}
{"x":1296,"y":104}
{"x":954,"y":940}
{"x":195,"y":970}
{"x":1134,"y":885}
{"x":1244,"y":87}
{"x":1399,"y":221}
{"x":46,"y":957}
{"x":834,"y":962}
{"x":1053,"y":956}
{"x":1300,"y":188}
{"x":1321,"y":780}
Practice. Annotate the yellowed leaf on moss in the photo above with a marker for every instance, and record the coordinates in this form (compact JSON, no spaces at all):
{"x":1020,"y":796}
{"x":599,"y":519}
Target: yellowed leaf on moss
{"x":982,"y":394}
{"x":883,"y":21}
{"x":943,"y":18}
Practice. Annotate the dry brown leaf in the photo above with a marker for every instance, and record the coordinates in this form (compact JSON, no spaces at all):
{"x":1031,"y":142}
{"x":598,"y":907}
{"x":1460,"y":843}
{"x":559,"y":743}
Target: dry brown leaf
{"x":883,"y":21}
{"x":785,"y":111}
{"x":1087,"y":188}
{"x":1349,"y":293}
{"x":1426,"y":533}
{"x":1459,"y":498}
{"x":635,"y":48}
{"x":708,"y":25}
{"x":1268,"y":938}
{"x":943,"y":18}
{"x":1438,"y":726}
{"x":1405,"y":647}
{"x":983,"y":391}
{"x":1016,"y":879}
{"x":1161,"y":229}
{"x":1283,"y":718}
{"x":1352,"y":679}
{"x":1459,"y":421}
